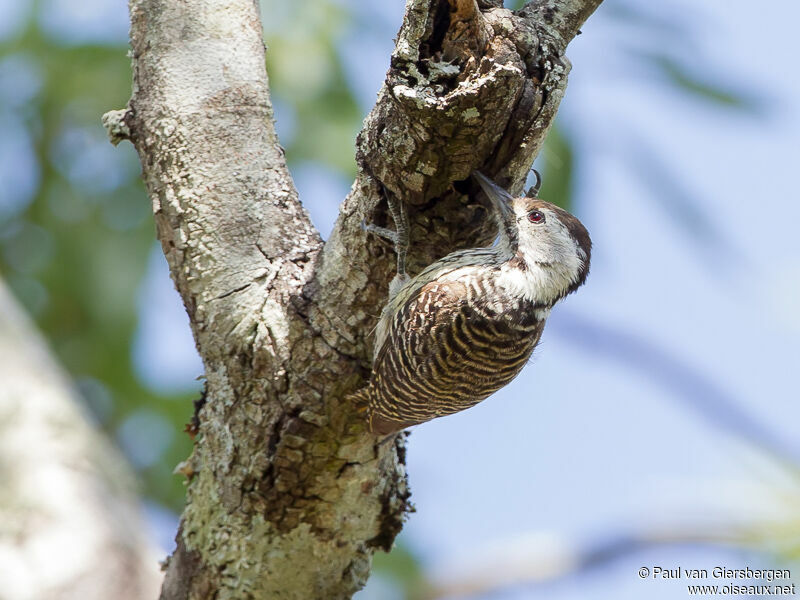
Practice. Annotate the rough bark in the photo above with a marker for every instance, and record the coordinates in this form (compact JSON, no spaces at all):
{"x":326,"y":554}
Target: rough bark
{"x":289,"y":496}
{"x":71,"y":526}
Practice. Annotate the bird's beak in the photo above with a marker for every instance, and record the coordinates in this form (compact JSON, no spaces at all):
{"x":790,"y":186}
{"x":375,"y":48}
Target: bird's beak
{"x":500,"y":199}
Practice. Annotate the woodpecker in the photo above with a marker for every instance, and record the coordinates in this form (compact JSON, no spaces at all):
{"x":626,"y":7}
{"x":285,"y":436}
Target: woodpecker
{"x":467,"y":324}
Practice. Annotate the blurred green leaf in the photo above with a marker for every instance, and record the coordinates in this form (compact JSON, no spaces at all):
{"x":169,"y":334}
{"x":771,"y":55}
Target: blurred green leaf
{"x":634,"y":15}
{"x":558,"y":158}
{"x":403,"y":567}
{"x":306,"y":72}
{"x":705,"y":89}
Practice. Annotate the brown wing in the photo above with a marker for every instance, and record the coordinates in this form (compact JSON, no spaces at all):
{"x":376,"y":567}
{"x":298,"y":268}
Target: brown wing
{"x":414,"y":327}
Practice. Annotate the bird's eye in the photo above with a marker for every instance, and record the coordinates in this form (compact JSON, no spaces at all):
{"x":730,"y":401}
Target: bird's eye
{"x":536,"y":216}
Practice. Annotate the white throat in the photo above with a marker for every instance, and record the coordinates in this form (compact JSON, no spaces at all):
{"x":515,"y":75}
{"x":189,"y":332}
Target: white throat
{"x":546,"y":277}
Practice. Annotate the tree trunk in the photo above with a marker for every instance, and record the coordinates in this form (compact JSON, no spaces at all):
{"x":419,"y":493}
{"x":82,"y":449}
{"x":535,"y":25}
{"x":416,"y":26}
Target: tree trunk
{"x":289,"y":495}
{"x":70,"y":525}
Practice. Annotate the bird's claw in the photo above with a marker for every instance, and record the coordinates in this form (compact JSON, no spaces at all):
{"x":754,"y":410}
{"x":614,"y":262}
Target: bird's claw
{"x":533,"y":191}
{"x":387,"y":234}
{"x":398,"y":237}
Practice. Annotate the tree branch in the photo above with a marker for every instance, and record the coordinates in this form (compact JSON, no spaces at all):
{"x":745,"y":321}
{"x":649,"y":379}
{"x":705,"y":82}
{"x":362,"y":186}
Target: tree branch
{"x":289,"y":496}
{"x":562,"y":18}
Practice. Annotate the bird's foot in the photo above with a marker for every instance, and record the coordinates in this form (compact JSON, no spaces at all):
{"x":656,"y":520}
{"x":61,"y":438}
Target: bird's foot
{"x":399,"y":237}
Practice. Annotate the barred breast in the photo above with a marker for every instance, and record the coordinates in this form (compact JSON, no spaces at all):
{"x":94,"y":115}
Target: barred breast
{"x":449,"y":346}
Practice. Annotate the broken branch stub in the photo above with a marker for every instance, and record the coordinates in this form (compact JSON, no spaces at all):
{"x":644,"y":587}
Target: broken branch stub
{"x":465,"y":91}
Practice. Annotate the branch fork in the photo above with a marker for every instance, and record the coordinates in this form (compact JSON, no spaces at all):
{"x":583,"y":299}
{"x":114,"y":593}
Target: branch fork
{"x":289,"y":496}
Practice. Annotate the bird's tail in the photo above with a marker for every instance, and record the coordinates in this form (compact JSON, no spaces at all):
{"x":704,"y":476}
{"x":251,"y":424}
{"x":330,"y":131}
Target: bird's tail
{"x":360,"y":399}
{"x":364,"y":403}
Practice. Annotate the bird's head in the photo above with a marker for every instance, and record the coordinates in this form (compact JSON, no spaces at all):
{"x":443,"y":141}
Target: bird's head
{"x":539,"y":235}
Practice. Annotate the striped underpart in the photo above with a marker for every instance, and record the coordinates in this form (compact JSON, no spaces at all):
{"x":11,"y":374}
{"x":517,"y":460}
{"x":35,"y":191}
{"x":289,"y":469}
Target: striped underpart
{"x":453,"y":341}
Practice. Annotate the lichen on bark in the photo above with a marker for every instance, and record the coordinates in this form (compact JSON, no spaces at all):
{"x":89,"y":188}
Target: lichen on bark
{"x":289,"y":496}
